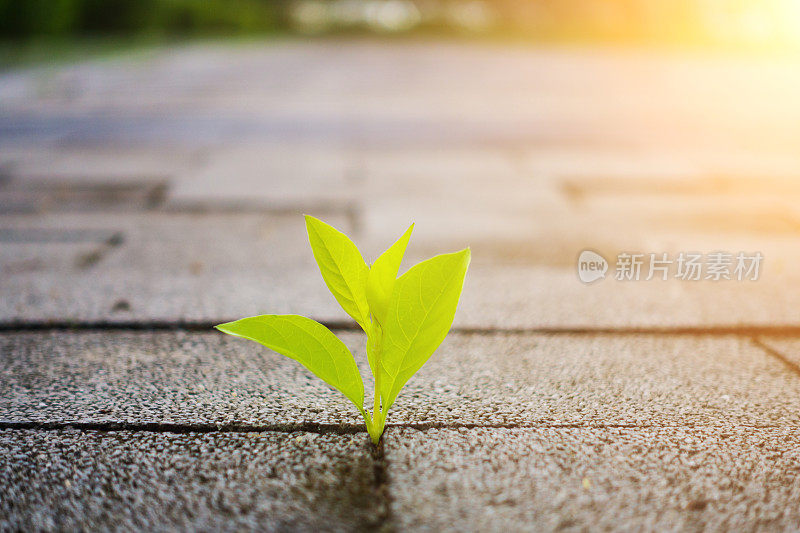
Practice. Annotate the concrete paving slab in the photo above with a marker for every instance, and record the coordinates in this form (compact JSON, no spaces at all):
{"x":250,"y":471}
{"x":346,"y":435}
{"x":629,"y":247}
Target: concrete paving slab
{"x":591,"y":162}
{"x":19,"y":258}
{"x":165,"y":267}
{"x":100,"y":163}
{"x":610,"y":479}
{"x":786,"y":348}
{"x":69,"y":480}
{"x":495,"y":297}
{"x":529,"y":182}
{"x":523,"y":297}
{"x":498,"y":379}
{"x":166,"y":378}
{"x":600,"y":379}
{"x":219,"y":266}
{"x":515,"y":212}
{"x":268,"y":175}
{"x":403,"y":93}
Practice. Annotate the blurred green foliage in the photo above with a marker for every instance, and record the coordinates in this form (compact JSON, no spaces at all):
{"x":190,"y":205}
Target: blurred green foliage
{"x":61,"y":18}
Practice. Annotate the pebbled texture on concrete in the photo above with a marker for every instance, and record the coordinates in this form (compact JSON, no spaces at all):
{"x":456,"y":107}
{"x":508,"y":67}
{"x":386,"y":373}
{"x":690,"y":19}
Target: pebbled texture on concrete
{"x":69,"y":480}
{"x":601,"y":379}
{"x":500,"y":379}
{"x":172,"y":378}
{"x":578,"y":479}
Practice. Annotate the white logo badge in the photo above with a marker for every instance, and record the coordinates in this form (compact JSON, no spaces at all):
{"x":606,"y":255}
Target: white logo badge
{"x":591,"y":266}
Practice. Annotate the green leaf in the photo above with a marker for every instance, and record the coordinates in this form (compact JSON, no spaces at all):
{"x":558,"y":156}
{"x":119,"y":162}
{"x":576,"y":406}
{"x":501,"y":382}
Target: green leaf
{"x":382,"y":276}
{"x":342,"y":267}
{"x":308,"y":342}
{"x":421,"y":311}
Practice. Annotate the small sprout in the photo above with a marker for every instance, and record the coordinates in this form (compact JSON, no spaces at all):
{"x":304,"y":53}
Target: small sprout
{"x":405,"y":318}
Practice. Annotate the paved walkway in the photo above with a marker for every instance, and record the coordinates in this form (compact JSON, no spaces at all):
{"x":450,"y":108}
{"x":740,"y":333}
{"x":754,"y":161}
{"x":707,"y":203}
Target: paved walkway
{"x":145,"y":198}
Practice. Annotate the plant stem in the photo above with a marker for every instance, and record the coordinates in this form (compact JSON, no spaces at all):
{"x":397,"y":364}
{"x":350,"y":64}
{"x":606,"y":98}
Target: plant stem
{"x":376,"y":407}
{"x":377,"y":416}
{"x":367,"y":421}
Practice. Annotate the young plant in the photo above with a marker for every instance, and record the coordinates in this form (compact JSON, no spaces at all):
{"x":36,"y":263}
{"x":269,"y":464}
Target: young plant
{"x":405,"y":318}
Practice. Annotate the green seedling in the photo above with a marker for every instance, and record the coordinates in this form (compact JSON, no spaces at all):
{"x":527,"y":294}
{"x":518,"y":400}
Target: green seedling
{"x":405,"y":318}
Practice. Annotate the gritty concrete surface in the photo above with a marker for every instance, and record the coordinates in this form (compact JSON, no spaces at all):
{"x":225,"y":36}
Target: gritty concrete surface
{"x":507,"y":379}
{"x":725,"y":478}
{"x":124,"y":481}
{"x":168,"y":378}
{"x":604,"y":379}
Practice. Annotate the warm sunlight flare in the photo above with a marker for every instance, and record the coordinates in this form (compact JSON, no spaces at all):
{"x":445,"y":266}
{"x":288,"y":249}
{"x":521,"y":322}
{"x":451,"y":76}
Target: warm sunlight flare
{"x":771,"y":23}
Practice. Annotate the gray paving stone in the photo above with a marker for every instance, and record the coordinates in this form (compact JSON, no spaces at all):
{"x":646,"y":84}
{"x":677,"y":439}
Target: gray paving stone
{"x":269,"y":175}
{"x":371,"y":135}
{"x":167,"y":267}
{"x":403,"y":93}
{"x":70,"y":480}
{"x":101,"y":163}
{"x":609,"y":479}
{"x":606,"y":379}
{"x":163,"y":378}
{"x":219,"y":266}
{"x":499,"y":379}
{"x":546,"y":216}
{"x":591,"y":162}
{"x":37,"y":288}
{"x":524,"y":297}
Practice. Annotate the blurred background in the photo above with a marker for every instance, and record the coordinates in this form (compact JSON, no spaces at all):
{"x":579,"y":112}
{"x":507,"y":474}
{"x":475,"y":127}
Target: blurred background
{"x":156,"y":155}
{"x":761,"y":23}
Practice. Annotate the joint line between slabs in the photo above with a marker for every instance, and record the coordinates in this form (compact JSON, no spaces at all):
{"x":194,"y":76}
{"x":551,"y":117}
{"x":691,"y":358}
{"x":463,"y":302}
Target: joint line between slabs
{"x":338,"y":429}
{"x":345,"y":325}
{"x":772,"y":352}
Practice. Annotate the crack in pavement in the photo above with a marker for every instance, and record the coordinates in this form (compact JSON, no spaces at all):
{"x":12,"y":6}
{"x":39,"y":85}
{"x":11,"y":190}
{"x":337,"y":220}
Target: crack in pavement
{"x":384,"y":494}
